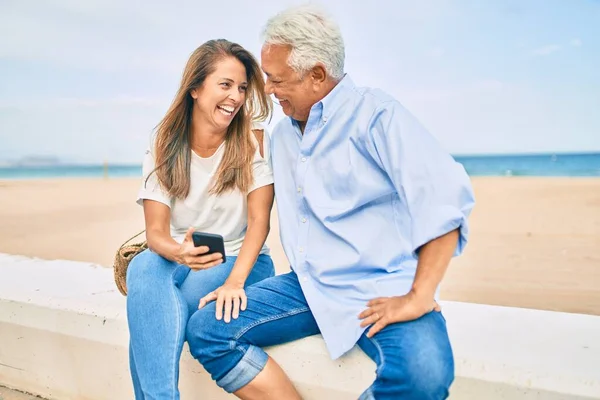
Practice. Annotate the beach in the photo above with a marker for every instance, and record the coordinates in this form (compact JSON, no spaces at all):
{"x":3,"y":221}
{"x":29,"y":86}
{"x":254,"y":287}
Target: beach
{"x":534,"y":242}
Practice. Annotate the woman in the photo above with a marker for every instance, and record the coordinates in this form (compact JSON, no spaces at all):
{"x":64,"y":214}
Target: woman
{"x":204,"y":172}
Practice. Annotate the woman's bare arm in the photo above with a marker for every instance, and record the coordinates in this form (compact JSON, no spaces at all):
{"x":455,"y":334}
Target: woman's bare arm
{"x":158,"y":234}
{"x":260,"y":203}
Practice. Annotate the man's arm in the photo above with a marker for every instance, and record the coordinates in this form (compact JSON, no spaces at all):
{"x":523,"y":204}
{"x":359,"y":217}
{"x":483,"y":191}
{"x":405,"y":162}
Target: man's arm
{"x":433,"y":261}
{"x":437,"y":197}
{"x":435,"y":190}
{"x":434,"y":258}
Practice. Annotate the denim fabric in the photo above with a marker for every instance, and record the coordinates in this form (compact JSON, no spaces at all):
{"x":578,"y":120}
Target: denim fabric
{"x":414,"y":359}
{"x":161,"y":297}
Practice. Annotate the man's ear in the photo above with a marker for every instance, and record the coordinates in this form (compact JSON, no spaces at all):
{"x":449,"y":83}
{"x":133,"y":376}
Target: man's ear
{"x":318,"y":73}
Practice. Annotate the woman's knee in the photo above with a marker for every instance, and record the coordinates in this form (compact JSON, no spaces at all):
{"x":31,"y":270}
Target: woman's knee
{"x":145,"y":268}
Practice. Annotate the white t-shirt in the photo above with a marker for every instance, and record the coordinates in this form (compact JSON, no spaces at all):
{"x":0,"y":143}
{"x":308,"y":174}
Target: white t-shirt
{"x":226,"y":214}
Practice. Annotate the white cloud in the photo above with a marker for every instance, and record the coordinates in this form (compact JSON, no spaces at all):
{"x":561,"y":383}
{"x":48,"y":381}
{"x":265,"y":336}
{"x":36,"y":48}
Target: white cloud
{"x":506,"y":117}
{"x":107,"y":70}
{"x":111,"y":36}
{"x":576,"y":43}
{"x":546,"y":50}
{"x":52,"y":34}
{"x":553,"y":48}
{"x":80,"y":102}
{"x":450,"y":94}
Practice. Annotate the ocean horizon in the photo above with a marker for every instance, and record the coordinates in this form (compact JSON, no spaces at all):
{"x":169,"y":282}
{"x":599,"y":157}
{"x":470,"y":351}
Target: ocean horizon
{"x":551,"y":164}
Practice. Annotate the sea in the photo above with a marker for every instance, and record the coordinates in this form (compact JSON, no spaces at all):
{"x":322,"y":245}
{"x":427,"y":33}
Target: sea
{"x":576,"y":165}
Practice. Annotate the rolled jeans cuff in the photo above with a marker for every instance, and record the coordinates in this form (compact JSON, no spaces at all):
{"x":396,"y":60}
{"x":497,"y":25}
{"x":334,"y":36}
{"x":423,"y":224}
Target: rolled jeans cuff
{"x":245,"y":371}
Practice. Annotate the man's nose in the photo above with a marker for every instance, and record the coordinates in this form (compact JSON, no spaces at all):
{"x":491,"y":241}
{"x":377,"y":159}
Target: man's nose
{"x":269,"y":87}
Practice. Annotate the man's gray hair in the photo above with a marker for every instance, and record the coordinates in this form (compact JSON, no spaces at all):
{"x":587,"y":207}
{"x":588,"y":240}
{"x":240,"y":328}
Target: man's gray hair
{"x":313,"y":36}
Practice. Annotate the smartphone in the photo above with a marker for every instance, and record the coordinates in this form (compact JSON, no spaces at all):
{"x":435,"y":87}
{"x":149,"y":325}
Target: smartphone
{"x":214,"y":242}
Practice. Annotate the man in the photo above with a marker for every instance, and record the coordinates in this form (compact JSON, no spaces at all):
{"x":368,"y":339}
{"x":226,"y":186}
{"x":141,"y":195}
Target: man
{"x":371,"y":211}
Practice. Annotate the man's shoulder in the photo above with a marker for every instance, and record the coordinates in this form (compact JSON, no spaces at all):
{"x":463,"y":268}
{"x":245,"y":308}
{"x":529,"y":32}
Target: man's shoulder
{"x":372,"y":99}
{"x":376,"y":95}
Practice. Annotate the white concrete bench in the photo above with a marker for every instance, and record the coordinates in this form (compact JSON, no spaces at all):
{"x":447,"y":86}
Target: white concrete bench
{"x":63,"y":335}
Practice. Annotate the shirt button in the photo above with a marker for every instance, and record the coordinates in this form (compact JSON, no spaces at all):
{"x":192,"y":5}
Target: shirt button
{"x":303,"y":159}
{"x":305,"y":279}
{"x":303,"y":220}
{"x":299,"y":189}
{"x":301,"y":249}
{"x":324,"y":119}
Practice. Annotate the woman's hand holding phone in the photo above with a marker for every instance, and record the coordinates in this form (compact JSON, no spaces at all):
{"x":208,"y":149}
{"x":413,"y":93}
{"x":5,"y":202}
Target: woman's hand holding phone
{"x":196,"y":257}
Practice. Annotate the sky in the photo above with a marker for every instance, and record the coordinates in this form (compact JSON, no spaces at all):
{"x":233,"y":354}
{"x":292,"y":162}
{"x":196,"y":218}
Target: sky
{"x":88,"y":81}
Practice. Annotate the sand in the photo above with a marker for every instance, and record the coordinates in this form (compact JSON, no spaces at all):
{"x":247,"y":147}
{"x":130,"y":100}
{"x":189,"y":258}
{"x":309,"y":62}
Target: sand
{"x":535,"y":242}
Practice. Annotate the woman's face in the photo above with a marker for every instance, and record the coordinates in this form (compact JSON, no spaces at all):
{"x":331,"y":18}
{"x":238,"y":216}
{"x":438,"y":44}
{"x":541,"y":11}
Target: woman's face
{"x":222,"y":94}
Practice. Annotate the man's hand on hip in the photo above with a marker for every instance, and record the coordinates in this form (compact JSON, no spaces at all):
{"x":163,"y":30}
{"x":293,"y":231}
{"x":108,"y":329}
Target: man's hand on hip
{"x":384,"y":311}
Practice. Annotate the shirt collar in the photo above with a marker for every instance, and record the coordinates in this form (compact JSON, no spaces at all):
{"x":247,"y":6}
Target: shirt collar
{"x":337,"y":96}
{"x":332,"y":101}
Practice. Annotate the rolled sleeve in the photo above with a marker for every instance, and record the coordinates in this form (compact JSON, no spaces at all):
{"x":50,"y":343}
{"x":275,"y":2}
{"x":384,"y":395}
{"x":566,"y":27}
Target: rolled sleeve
{"x":150,"y":188}
{"x":435,"y":189}
{"x":261,"y":167}
{"x":437,"y":222}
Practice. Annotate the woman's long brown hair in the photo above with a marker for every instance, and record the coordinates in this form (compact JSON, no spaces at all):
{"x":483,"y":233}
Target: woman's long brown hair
{"x":172,"y":148}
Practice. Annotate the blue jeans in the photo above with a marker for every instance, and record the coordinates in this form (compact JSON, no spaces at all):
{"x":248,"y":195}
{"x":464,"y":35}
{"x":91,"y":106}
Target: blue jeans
{"x":161,"y":295}
{"x":414,"y":359}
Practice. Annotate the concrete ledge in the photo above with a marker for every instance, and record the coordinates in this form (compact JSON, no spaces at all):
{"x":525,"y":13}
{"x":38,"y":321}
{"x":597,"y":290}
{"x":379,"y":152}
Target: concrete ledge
{"x":63,"y":335}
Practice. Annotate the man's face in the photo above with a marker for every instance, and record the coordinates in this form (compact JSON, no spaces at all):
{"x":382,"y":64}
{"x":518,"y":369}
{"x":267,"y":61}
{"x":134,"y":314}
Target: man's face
{"x":295,"y":93}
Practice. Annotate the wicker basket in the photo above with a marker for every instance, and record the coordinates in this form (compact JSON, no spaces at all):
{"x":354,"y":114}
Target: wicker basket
{"x":122,"y":259}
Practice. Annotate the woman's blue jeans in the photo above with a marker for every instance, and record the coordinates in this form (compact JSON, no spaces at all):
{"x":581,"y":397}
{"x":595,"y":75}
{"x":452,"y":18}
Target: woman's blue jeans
{"x":161,"y":296}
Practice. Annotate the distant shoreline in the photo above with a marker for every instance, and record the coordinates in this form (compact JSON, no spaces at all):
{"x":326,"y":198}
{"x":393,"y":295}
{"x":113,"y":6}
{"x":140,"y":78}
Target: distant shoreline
{"x":539,"y":165}
{"x":57,"y":163}
{"x":527,"y":154}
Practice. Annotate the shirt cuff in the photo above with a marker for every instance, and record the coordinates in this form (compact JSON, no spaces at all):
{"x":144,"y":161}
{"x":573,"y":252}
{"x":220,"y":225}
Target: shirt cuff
{"x":438,"y":222}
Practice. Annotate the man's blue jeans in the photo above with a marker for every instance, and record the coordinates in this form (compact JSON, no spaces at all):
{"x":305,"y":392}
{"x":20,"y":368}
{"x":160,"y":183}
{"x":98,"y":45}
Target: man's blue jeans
{"x":161,"y":295}
{"x":414,"y":359}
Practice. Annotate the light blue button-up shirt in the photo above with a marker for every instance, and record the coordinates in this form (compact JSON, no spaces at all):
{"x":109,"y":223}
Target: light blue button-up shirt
{"x":357,"y":195}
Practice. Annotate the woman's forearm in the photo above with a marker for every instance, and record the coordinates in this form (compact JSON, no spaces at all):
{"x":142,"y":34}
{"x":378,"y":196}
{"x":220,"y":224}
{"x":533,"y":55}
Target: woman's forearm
{"x":163,"y":244}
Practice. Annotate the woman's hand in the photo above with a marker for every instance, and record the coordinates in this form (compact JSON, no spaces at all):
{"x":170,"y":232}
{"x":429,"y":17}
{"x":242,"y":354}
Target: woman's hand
{"x":231,"y":298}
{"x":193,"y":256}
